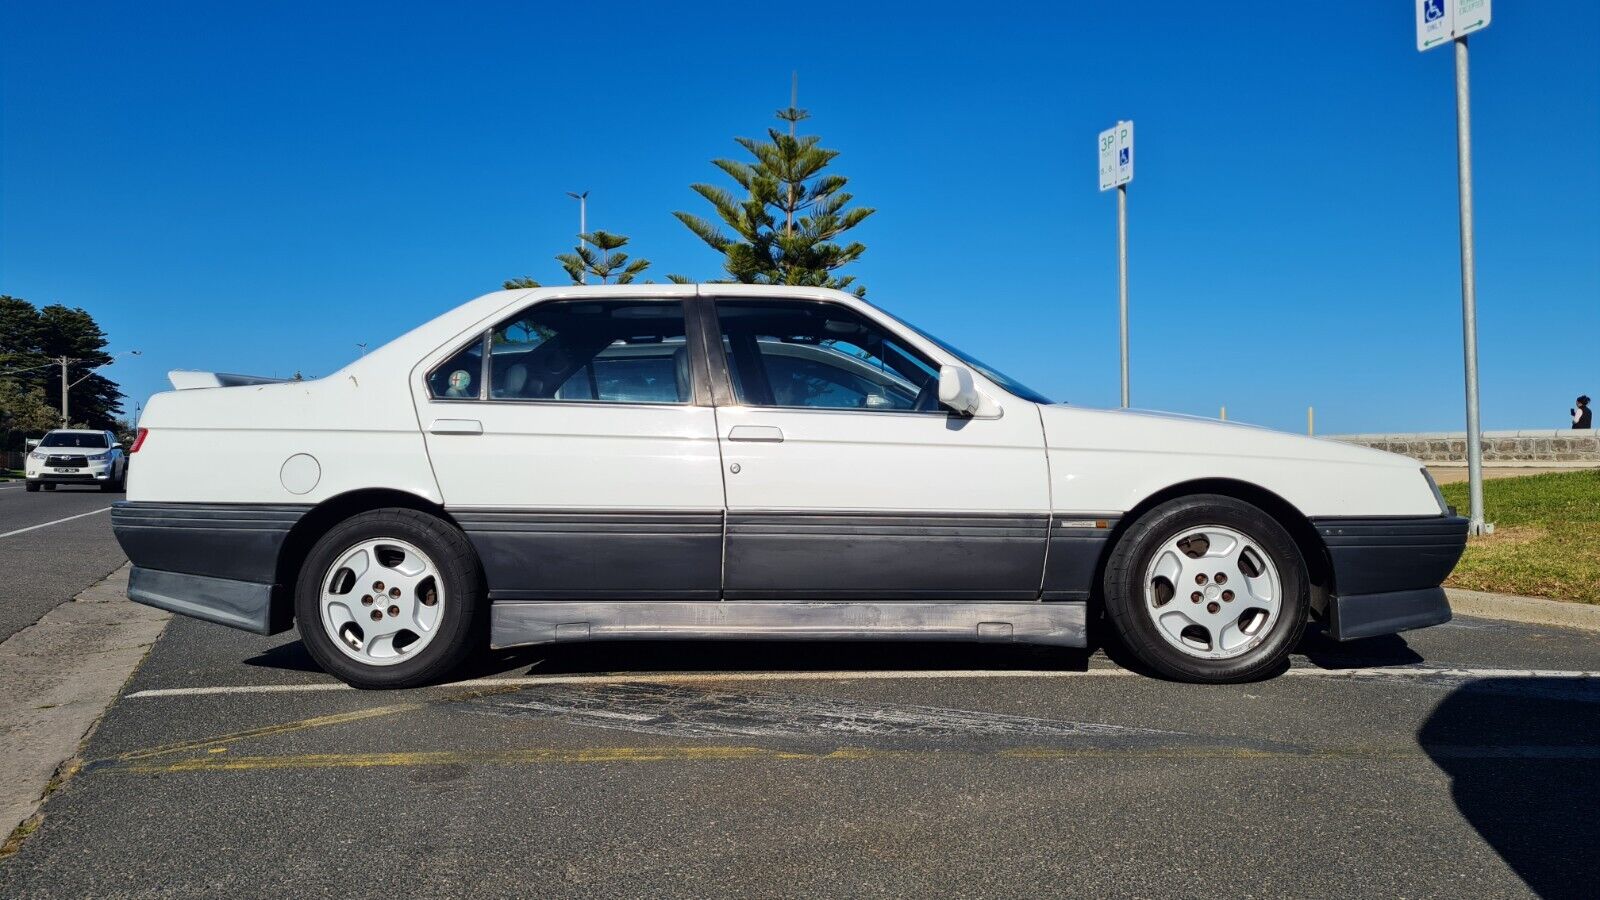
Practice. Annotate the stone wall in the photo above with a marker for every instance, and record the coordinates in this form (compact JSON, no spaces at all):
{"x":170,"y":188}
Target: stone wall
{"x":1552,"y":448}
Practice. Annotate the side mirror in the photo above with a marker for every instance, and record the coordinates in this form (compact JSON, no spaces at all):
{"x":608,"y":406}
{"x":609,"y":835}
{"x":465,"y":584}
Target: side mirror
{"x":957,"y":391}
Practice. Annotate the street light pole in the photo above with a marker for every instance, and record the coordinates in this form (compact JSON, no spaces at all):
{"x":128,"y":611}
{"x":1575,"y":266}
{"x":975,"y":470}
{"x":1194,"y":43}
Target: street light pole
{"x":66,"y":421}
{"x":583,"y":227}
{"x":1469,"y":293}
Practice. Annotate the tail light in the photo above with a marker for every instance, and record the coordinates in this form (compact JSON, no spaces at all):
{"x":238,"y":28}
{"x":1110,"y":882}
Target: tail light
{"x":138,"y":440}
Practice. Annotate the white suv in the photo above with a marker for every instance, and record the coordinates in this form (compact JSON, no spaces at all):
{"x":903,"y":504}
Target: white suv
{"x":745,"y":461}
{"x":74,"y":456}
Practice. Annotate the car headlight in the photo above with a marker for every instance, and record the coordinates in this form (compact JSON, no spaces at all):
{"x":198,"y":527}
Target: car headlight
{"x":36,"y":456}
{"x":1444,"y":508}
{"x":96,"y":457}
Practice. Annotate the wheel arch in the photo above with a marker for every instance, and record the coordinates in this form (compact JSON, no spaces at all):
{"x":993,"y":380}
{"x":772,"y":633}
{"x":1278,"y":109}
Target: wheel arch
{"x":318,"y":520}
{"x":1310,"y":544}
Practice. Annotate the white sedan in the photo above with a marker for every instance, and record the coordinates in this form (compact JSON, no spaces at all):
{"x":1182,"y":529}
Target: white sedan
{"x":736,"y":461}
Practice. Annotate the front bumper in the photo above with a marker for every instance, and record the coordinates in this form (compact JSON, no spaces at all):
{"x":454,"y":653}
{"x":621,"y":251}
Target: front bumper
{"x":87,"y":475}
{"x":1387,"y":572}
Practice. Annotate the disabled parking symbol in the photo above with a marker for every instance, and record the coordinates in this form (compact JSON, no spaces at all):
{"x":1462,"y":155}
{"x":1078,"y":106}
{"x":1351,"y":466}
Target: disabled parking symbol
{"x":1122,"y":156}
{"x":1432,"y":10}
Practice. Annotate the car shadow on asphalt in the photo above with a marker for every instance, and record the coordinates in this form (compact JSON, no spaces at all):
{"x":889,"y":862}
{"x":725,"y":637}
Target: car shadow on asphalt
{"x":1324,"y":652}
{"x":769,"y":656}
{"x":290,"y":656}
{"x":1523,"y":756}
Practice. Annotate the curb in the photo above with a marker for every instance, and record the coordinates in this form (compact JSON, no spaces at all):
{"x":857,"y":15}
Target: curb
{"x":1531,"y":610}
{"x":60,"y":674}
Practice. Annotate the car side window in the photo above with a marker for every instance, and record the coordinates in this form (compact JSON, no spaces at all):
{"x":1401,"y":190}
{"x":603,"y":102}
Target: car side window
{"x":821,"y":356}
{"x":611,"y":351}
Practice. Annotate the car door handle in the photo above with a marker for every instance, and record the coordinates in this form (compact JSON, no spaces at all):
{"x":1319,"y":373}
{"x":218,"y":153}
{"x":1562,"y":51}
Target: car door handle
{"x":770,"y":434}
{"x":456,"y":426}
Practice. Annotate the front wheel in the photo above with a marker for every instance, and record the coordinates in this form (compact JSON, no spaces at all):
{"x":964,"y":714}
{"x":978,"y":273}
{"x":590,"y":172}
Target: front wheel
{"x":31,"y":487}
{"x":1208,"y":588}
{"x":390,"y":599}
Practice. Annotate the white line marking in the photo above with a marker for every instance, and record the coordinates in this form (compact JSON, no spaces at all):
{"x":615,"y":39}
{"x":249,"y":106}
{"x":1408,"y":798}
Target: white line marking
{"x":713,"y":677}
{"x":56,"y":522}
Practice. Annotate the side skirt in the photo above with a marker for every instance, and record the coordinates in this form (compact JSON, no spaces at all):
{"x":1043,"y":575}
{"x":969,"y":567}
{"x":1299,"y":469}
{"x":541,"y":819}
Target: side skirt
{"x":515,"y":623}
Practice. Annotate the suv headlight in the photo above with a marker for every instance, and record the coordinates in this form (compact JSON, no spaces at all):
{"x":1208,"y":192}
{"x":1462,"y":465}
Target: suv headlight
{"x":97,"y":457}
{"x":36,"y":456}
{"x":1444,"y":507}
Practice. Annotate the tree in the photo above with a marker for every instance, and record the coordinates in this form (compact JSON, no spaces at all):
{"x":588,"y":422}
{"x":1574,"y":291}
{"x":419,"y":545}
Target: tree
{"x":23,"y":412}
{"x":517,"y":284}
{"x":787,"y":225}
{"x":603,"y":261}
{"x":30,"y":342}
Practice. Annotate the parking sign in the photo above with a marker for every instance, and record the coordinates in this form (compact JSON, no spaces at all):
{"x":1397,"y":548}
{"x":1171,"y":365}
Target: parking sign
{"x":1116,"y":155}
{"x":1440,"y":21}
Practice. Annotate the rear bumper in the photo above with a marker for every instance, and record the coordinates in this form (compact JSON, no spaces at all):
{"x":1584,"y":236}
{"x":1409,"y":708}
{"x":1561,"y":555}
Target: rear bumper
{"x":214,"y":562}
{"x":1387,"y":572}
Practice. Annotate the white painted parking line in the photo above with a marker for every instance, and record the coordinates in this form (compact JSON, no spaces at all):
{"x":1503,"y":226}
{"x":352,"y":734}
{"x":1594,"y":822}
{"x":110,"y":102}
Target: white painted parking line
{"x":1418,"y":672}
{"x":56,"y":522}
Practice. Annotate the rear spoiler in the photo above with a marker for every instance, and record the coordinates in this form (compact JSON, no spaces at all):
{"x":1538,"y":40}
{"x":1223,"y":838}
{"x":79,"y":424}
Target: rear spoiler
{"x":186,"y":380}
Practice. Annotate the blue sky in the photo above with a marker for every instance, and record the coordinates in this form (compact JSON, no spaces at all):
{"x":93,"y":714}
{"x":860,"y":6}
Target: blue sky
{"x":259,"y":187}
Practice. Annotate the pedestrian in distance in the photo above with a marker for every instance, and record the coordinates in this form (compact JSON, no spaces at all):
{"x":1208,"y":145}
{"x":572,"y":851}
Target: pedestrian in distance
{"x":1583,"y":416}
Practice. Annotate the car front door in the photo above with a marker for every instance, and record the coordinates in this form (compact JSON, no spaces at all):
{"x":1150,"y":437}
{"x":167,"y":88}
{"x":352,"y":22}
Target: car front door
{"x":845,"y":479}
{"x":576,"y":446}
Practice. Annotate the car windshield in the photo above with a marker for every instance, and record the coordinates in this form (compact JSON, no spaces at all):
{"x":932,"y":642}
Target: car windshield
{"x":83,"y":440}
{"x":995,"y":375}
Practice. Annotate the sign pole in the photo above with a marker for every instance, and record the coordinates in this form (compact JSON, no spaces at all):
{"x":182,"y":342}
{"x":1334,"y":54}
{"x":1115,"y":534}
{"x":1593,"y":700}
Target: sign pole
{"x":1116,"y":170}
{"x":1469,"y":297}
{"x":1122,"y":280}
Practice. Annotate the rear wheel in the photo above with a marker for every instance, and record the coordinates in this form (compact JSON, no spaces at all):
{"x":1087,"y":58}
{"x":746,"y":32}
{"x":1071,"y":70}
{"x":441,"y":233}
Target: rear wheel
{"x":1208,"y":588}
{"x":390,"y":599}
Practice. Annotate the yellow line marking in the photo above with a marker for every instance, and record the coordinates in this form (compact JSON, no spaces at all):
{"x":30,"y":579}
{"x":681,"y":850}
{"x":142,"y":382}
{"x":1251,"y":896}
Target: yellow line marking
{"x":266,"y":730}
{"x":584,"y":755}
{"x":300,"y":725}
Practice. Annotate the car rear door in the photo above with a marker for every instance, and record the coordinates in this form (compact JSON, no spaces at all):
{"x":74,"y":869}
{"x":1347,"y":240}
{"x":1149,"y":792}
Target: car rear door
{"x":845,"y":479}
{"x":576,"y":445}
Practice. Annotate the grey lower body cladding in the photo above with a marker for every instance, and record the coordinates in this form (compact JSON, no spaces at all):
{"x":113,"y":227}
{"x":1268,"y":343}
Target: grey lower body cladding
{"x":609,"y":574}
{"x":558,"y":575}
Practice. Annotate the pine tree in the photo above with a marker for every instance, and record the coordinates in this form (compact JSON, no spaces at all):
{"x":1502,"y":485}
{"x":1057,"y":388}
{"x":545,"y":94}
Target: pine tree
{"x":599,"y":253}
{"x":517,"y":284}
{"x":787,"y":225}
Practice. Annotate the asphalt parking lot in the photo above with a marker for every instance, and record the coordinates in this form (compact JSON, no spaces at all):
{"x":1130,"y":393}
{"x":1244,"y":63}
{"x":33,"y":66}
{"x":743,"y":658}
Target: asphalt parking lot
{"x":1461,"y":760}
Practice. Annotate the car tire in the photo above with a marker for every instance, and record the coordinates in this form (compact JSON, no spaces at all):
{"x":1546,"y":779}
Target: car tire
{"x":326,"y":596}
{"x":1171,"y":609}
{"x":31,"y":487}
{"x":48,"y":487}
